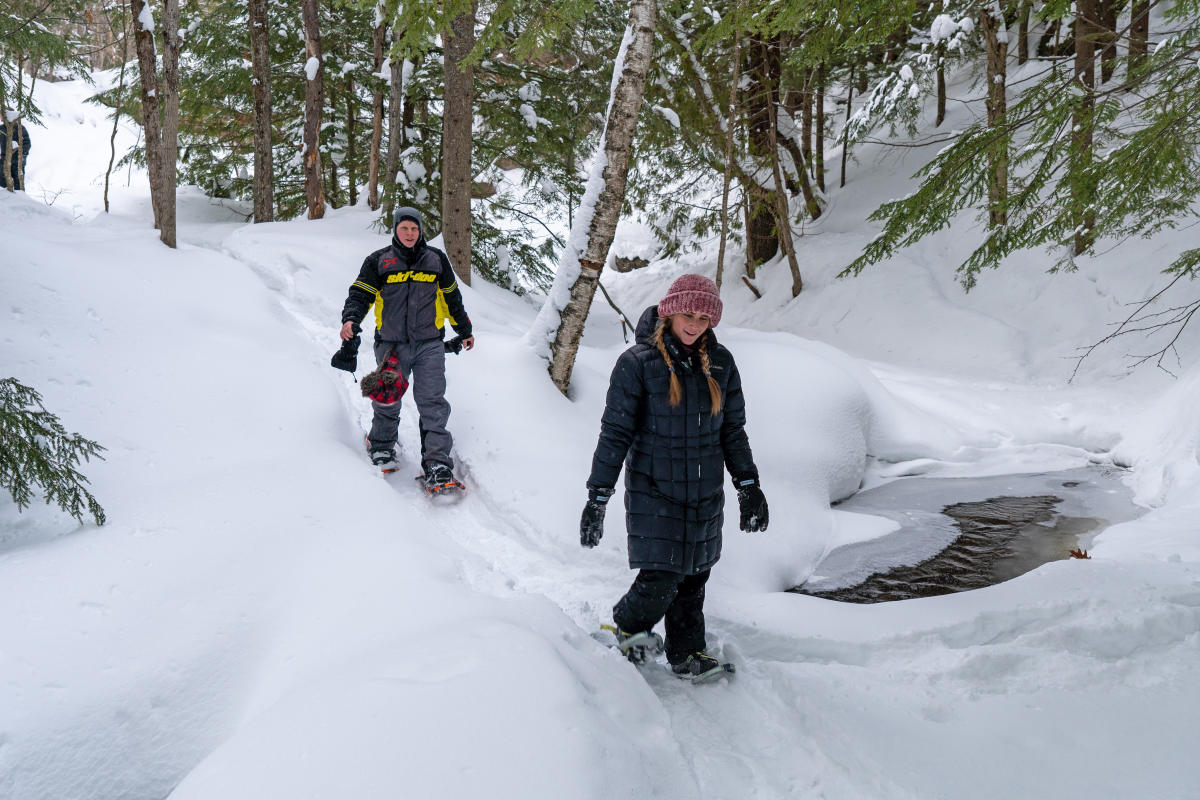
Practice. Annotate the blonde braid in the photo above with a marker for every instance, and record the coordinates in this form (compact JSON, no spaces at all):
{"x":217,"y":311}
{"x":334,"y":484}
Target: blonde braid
{"x":676,"y":394}
{"x":714,"y":390}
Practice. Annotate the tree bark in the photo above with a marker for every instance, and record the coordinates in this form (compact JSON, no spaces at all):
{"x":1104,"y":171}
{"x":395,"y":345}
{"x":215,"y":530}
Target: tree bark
{"x":396,"y":127}
{"x":377,"y":41}
{"x":151,"y":123}
{"x":806,"y":118}
{"x":351,"y":150}
{"x":1107,"y":11}
{"x":939,"y":53}
{"x":846,"y":124}
{"x":1082,"y":119}
{"x":762,"y":238}
{"x":456,"y":143}
{"x":314,"y":101}
{"x":995,"y":39}
{"x":112,"y":139}
{"x":819,"y":144}
{"x":1139,"y":32}
{"x":260,"y":59}
{"x":730,"y":130}
{"x":782,"y":213}
{"x":170,"y":127}
{"x":609,"y":180}
{"x":1023,"y":31}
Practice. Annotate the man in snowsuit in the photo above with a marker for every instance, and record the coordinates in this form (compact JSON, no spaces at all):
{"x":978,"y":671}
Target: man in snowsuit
{"x":414,"y":292}
{"x":15,"y":165}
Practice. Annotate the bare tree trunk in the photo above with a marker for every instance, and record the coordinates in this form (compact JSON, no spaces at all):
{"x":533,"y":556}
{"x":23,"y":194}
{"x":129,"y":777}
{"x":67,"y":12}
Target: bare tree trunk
{"x":396,"y":126}
{"x":456,"y":143}
{"x":170,"y":127}
{"x":939,"y":53}
{"x":112,"y":139}
{"x":609,"y":178}
{"x":376,"y":114}
{"x":995,"y":39}
{"x":151,"y":123}
{"x":846,"y":124}
{"x":1082,"y":119}
{"x":1023,"y":31}
{"x":1106,"y":11}
{"x":260,"y":59}
{"x":782,"y":214}
{"x":314,"y":101}
{"x":762,"y":238}
{"x":730,"y":132}
{"x":1139,"y":32}
{"x":806,"y":118}
{"x":6,"y":131}
{"x":351,"y":150}
{"x":819,"y":153}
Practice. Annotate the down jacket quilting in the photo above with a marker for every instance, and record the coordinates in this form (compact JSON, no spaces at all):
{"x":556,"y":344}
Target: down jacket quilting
{"x":675,"y":457}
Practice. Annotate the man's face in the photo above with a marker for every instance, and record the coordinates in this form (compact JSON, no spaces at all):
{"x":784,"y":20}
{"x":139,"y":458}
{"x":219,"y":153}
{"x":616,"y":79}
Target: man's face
{"x":408,"y":232}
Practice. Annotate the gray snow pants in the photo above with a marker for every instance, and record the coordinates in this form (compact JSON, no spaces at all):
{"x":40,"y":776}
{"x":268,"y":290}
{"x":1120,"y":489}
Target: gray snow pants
{"x":424,"y":367}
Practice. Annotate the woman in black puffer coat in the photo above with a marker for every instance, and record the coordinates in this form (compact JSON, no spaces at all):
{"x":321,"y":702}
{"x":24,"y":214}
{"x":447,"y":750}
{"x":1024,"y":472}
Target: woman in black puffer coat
{"x":675,"y":417}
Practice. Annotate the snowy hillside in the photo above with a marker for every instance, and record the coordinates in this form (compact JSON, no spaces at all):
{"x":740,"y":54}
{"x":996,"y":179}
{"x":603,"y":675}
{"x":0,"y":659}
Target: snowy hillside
{"x":264,"y":616}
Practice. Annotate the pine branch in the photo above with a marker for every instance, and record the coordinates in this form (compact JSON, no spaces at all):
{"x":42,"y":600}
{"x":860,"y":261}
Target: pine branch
{"x":37,"y":451}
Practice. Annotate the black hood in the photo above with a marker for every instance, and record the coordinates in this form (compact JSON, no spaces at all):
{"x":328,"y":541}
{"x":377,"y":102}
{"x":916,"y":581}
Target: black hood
{"x":409,"y":254}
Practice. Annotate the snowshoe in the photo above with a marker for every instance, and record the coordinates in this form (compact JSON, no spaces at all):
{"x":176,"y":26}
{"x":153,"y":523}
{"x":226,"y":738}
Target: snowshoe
{"x":638,"y":647}
{"x":701,"y":667}
{"x":385,"y":458}
{"x":439,"y":481}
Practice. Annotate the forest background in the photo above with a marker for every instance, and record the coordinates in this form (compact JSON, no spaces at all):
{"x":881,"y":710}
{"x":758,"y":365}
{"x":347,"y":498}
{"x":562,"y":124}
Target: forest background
{"x":749,"y":120}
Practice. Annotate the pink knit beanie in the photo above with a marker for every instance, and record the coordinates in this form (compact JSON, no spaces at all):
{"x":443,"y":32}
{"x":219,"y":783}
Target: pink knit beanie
{"x":692,"y":294}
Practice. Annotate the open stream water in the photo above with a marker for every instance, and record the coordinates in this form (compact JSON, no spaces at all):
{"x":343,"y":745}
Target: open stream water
{"x":957,"y":534}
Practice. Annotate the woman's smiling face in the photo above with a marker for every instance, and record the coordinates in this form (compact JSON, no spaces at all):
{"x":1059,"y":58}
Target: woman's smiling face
{"x":687,"y":328}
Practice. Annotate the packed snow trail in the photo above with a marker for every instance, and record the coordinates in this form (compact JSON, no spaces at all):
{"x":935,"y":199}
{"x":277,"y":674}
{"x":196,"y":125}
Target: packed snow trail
{"x":786,"y":724}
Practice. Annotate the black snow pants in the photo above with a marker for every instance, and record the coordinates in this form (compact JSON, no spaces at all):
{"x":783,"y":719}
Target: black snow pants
{"x":656,"y":594}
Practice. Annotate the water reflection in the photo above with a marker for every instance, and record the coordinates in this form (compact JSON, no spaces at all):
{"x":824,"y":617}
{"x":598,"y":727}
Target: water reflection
{"x":949,"y":542}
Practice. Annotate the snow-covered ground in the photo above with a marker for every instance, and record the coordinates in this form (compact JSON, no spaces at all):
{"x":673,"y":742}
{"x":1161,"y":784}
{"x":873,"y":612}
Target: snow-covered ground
{"x":264,"y":616}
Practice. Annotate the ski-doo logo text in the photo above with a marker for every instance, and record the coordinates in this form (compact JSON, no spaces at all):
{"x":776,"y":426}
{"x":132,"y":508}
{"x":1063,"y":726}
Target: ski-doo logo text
{"x":411,"y":275}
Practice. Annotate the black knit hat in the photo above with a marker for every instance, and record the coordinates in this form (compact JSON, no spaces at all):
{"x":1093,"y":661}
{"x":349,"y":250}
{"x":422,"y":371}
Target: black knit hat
{"x":410,"y":213}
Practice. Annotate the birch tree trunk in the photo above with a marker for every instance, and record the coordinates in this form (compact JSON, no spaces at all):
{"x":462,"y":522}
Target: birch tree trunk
{"x":456,"y":143}
{"x":314,"y":101}
{"x":170,"y":127}
{"x":995,"y":37}
{"x":592,"y":235}
{"x":377,"y":40}
{"x":151,"y":123}
{"x":264,"y":168}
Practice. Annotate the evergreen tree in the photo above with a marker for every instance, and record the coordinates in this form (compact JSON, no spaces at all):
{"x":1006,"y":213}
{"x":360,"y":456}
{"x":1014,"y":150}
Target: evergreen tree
{"x":36,"y":451}
{"x":1142,"y":173}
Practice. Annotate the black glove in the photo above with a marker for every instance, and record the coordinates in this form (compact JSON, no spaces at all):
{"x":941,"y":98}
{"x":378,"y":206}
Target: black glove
{"x":591,"y":524}
{"x":453,"y":345}
{"x":753,"y":505}
{"x":347,"y":355}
